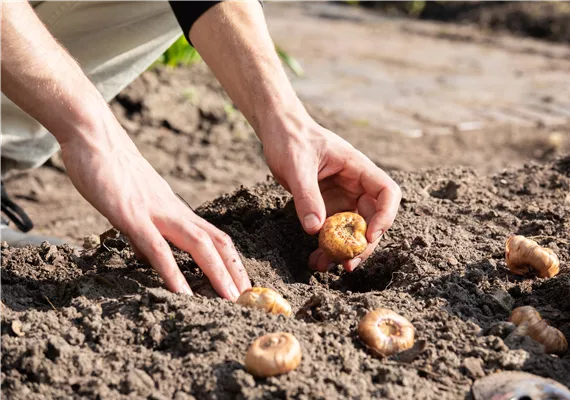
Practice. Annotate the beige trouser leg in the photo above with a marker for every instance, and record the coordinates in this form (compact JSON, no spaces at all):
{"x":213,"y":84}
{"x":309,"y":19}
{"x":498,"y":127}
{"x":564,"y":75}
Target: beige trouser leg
{"x":114,"y":42}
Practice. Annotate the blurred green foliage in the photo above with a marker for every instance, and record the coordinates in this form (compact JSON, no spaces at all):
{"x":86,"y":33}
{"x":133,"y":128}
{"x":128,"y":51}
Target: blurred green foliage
{"x":182,"y":53}
{"x":289,"y":61}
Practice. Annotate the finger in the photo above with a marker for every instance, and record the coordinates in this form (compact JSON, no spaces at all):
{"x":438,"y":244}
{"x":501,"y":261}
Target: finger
{"x":228,"y":252}
{"x":350,"y":265}
{"x":138,"y":254}
{"x":387,"y":193}
{"x":152,"y":245}
{"x":319,"y":261}
{"x":366,"y":205}
{"x":304,"y":184}
{"x":189,"y":237}
{"x":324,"y":262}
{"x":314,"y":258}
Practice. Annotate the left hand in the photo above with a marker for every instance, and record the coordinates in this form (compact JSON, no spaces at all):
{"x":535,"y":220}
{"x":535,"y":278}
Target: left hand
{"x":327,"y":175}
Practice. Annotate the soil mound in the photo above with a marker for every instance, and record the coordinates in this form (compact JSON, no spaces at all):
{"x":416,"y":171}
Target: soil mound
{"x":99,"y":325}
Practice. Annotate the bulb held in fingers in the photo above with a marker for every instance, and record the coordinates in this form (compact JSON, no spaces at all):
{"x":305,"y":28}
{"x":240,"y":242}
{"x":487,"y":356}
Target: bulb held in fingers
{"x":386,"y":332}
{"x":526,"y":257}
{"x":525,"y":315}
{"x":343,"y":236}
{"x":273,"y":354}
{"x":265,"y":299}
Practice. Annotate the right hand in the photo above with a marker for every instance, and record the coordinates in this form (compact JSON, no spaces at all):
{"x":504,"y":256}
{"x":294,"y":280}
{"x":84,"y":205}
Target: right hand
{"x":109,"y":171}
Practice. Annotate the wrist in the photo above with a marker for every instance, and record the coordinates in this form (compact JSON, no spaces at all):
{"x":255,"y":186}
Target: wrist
{"x":88,"y":122}
{"x":283,"y":118}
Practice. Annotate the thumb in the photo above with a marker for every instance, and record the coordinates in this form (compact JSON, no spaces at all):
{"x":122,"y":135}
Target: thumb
{"x":308,"y":199}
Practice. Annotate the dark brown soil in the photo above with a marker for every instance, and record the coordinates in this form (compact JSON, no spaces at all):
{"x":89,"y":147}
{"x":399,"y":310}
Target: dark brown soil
{"x":99,"y":325}
{"x":539,"y":19}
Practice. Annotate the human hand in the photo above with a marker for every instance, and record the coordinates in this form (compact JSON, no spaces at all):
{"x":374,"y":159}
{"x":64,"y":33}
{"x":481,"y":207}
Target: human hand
{"x":327,"y":175}
{"x":114,"y":177}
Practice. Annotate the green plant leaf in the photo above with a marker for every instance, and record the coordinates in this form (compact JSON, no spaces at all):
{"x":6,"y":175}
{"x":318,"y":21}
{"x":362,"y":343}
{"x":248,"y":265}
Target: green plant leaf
{"x":291,"y":62}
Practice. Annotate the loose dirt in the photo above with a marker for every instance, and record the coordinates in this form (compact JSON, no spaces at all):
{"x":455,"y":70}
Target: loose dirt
{"x":100,"y":325}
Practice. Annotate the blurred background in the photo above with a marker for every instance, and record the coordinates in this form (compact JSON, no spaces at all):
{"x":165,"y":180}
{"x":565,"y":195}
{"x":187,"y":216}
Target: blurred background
{"x":413,"y":85}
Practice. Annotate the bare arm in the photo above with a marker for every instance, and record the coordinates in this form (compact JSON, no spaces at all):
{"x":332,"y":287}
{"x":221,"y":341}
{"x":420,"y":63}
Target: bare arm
{"x":233,"y":39}
{"x":43,"y":79}
{"x":103,"y":163}
{"x":324,"y":173}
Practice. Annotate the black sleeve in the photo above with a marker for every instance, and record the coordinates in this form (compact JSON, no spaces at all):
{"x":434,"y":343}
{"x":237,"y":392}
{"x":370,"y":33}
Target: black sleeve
{"x":187,"y":12}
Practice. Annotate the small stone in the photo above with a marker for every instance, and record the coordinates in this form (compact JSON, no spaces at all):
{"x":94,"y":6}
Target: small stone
{"x":452,"y":260}
{"x":91,"y":242}
{"x":16,"y":326}
{"x":473,"y":367}
{"x":51,"y":254}
{"x":156,"y":333}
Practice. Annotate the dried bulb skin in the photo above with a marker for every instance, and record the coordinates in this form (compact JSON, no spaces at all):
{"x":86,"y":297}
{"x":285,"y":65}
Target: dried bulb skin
{"x":265,"y":299}
{"x":386,"y":332}
{"x":525,"y":315}
{"x":525,"y":256}
{"x":343,"y":236}
{"x":553,"y":340}
{"x":273,"y":354}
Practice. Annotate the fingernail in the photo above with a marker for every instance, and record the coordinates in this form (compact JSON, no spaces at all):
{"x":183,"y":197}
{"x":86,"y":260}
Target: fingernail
{"x":354,"y":263}
{"x":310,"y":221}
{"x":377,"y":235}
{"x":186,"y":289}
{"x":234,"y":293}
{"x":330,"y":266}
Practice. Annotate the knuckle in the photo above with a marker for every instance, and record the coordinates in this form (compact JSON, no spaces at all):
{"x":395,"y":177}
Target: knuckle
{"x":394,"y":188}
{"x":200,"y":237}
{"x":222,"y":239}
{"x":304,"y":195}
{"x":158,"y":245}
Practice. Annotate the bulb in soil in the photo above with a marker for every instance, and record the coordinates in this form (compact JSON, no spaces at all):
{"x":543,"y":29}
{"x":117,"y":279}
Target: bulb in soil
{"x":273,"y":354}
{"x":525,"y":315}
{"x":386,"y":332}
{"x":265,"y":299}
{"x":538,"y":329}
{"x":526,"y":257}
{"x":553,"y":340}
{"x":343,"y":236}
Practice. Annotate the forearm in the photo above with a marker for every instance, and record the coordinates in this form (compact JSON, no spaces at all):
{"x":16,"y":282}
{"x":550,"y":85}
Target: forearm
{"x":233,"y":39}
{"x":44,"y":80}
